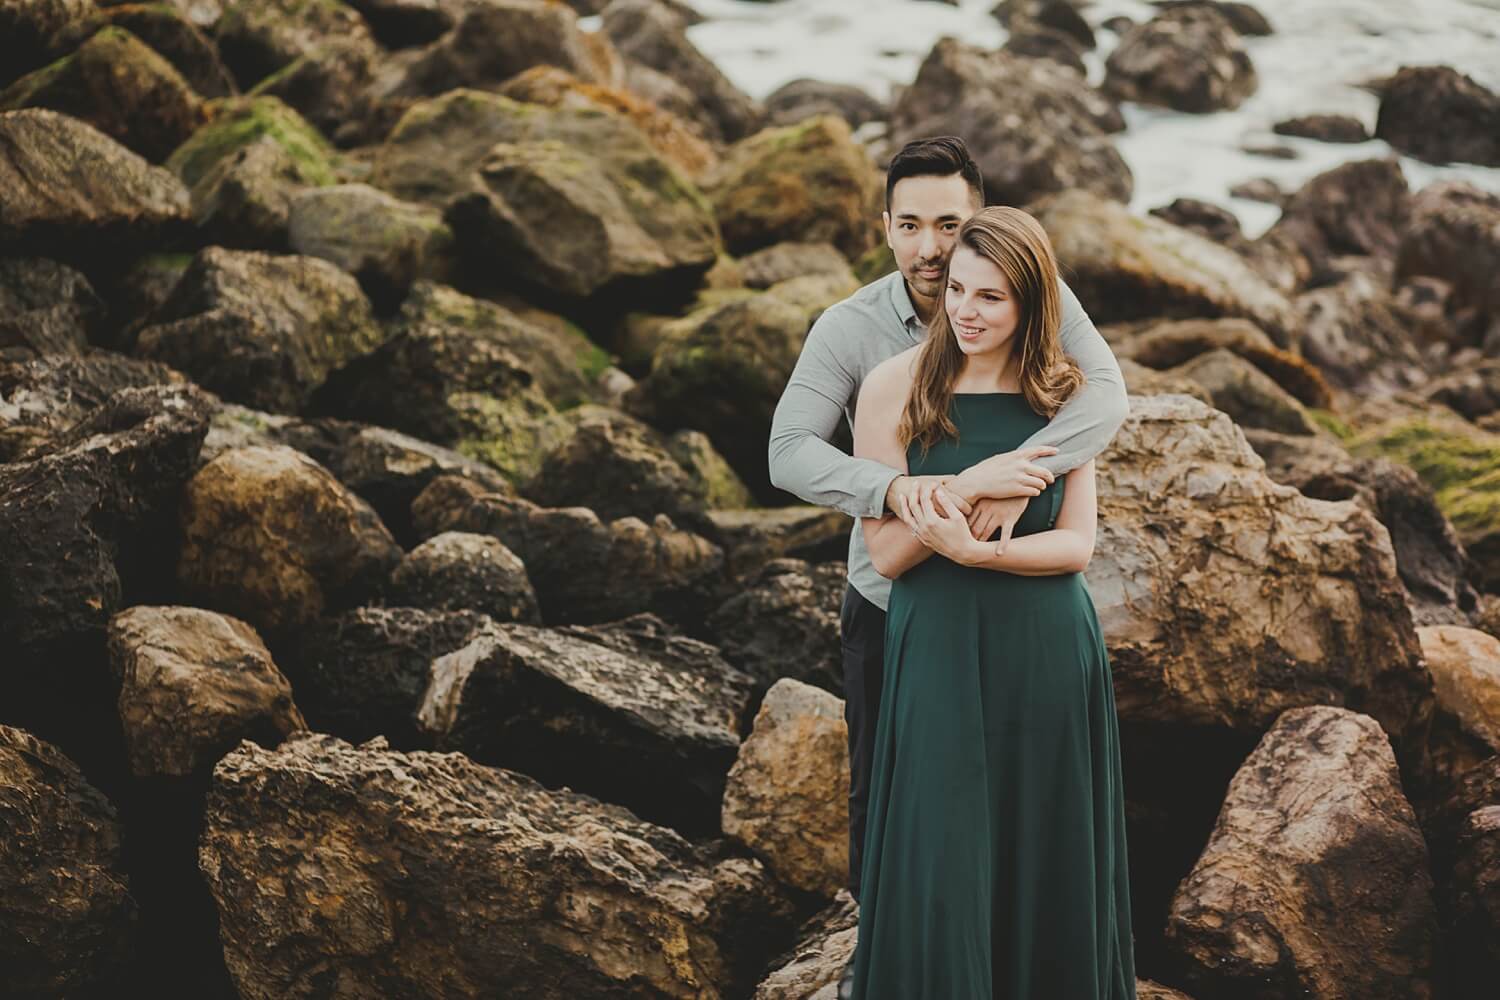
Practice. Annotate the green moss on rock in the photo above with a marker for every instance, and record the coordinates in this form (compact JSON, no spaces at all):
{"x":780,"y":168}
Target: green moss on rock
{"x":237,"y":122}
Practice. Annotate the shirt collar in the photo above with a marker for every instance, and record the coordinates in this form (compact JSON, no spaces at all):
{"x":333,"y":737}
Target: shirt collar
{"x":901,"y":299}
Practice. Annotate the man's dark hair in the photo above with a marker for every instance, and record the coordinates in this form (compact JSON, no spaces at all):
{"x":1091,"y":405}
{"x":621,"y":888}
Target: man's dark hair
{"x":936,"y":156}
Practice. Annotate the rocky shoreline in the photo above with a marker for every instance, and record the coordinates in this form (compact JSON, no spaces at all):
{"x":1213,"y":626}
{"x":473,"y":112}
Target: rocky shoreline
{"x":394,"y":601}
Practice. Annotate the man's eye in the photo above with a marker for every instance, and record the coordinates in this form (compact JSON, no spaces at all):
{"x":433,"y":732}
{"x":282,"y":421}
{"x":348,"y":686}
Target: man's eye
{"x":908,"y":226}
{"x":950,"y":226}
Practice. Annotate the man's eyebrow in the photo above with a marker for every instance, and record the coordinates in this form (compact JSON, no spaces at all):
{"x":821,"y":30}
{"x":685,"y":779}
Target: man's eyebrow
{"x":949,"y":217}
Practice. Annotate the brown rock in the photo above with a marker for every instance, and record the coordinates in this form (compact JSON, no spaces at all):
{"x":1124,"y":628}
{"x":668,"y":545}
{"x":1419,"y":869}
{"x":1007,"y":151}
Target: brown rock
{"x":192,"y":685}
{"x":170,"y":32}
{"x":1454,"y":234}
{"x":1168,"y":345}
{"x":1246,"y":393}
{"x":804,"y":98}
{"x":787,"y":795}
{"x":1187,"y":58}
{"x":271,"y":537}
{"x":1326,"y":128}
{"x":1465,"y":665}
{"x":1361,"y":337}
{"x":455,"y":571}
{"x":783,"y":261}
{"x":1437,"y":114}
{"x":64,"y":896}
{"x":1355,"y":208}
{"x":257,"y":39}
{"x":785,"y":623}
{"x":46,"y":395}
{"x":549,"y":892}
{"x":752,"y":538}
{"x":811,"y":969}
{"x":1475,"y":901}
{"x":45,"y":307}
{"x":27,"y":28}
{"x":1314,"y":882}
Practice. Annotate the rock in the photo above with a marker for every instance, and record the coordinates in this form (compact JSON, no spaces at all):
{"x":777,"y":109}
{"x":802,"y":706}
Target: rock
{"x":808,"y":182}
{"x":787,"y":795}
{"x":68,"y":189}
{"x":193,"y":684}
{"x":1249,"y":396}
{"x":658,"y":737}
{"x":362,"y":673}
{"x":1187,"y":58}
{"x":117,"y":84}
{"x":45,"y":307}
{"x":472,"y":849}
{"x":1124,"y":267}
{"x":1229,"y":654}
{"x":236,"y":123}
{"x":400,"y":24}
{"x":1355,"y":208}
{"x":785,"y":623}
{"x":1465,"y":665}
{"x":1361,"y":337}
{"x":811,"y":969}
{"x":27,"y":28}
{"x":1325,"y":128}
{"x":1429,"y":557}
{"x":86,"y":522}
{"x":1172,"y":344}
{"x":1204,"y":218}
{"x":329,"y":85}
{"x":721,"y":368}
{"x":1438,"y":114}
{"x":257,"y":39}
{"x":455,"y":571}
{"x":1472,"y":392}
{"x":386,"y":243}
{"x":260,"y":329}
{"x":1032,"y":126}
{"x":673,"y":139}
{"x":1315,"y":879}
{"x":752,"y":538}
{"x":652,"y":35}
{"x":1038,"y":42}
{"x":46,"y":396}
{"x":271,"y":537}
{"x":170,"y":32}
{"x":495,"y":41}
{"x":1487,"y":619}
{"x":1476,"y":898}
{"x":783,"y":261}
{"x":1145,"y":989}
{"x":1143,"y":381}
{"x":1259,"y":189}
{"x":804,"y":98}
{"x":722,"y":488}
{"x":1454,"y":234}
{"x":653,"y":567}
{"x":137,"y":290}
{"x":1458,"y":461}
{"x":1056,"y":15}
{"x":70,"y":921}
{"x":1243,"y":17}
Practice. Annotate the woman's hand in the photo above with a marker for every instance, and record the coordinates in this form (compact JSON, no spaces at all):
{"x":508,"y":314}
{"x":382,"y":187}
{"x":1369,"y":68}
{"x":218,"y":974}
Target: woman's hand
{"x":941,"y":526}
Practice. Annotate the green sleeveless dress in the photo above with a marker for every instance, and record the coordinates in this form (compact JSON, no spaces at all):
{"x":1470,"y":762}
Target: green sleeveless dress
{"x":994,"y":863}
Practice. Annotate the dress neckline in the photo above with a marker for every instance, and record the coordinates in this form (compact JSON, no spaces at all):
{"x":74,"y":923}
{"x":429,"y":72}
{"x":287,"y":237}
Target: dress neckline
{"x":992,"y":392}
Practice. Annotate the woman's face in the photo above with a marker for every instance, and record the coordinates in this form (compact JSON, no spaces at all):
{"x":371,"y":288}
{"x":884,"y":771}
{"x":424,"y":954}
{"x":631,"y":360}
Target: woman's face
{"x":981,"y":307}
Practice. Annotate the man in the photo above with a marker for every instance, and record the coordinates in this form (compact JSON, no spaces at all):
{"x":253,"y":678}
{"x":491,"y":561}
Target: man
{"x":932,"y":186}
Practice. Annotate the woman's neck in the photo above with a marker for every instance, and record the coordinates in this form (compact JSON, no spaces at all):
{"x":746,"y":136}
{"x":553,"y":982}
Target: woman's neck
{"x":989,"y":372}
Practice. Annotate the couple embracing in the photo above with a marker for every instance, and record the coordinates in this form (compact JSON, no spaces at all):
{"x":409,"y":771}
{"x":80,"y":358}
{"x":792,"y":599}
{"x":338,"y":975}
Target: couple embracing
{"x":986,"y":814}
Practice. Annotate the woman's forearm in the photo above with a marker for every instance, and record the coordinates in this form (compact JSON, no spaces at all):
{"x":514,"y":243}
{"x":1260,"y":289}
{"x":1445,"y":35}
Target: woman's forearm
{"x":1046,"y":553}
{"x":893,"y":548}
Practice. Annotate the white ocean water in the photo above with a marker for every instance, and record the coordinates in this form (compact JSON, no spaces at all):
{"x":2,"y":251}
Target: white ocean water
{"x":1321,"y":51}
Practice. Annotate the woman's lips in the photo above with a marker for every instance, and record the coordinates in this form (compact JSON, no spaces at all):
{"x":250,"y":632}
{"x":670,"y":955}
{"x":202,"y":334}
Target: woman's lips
{"x":968,"y":332}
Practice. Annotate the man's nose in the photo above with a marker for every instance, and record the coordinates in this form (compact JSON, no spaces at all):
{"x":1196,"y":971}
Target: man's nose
{"x":929,"y":246}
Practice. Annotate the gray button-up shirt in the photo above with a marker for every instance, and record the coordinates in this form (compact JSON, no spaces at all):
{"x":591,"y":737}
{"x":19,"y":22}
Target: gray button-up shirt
{"x":851,"y":338}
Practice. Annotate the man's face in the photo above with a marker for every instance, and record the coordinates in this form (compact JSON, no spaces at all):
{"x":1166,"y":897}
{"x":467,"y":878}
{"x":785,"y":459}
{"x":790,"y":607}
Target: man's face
{"x":921,"y":224}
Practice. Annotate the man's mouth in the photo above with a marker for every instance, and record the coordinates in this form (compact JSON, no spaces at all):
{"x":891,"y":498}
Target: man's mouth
{"x":930,"y":272}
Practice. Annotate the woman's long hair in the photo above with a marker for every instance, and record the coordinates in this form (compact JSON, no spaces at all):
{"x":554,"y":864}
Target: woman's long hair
{"x":1015,"y":243}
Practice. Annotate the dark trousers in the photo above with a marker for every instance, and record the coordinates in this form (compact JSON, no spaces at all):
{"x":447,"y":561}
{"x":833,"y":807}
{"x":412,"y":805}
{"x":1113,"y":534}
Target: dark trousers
{"x":862,"y":629}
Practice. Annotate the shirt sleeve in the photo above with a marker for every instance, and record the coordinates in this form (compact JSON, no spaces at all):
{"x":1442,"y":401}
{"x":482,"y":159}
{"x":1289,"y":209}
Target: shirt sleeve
{"x":1089,"y":419}
{"x":802,"y":461}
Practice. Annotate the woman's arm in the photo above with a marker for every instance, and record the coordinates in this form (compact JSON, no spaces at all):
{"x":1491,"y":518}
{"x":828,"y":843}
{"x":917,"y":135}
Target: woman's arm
{"x":1066,"y":548}
{"x":893,"y":547}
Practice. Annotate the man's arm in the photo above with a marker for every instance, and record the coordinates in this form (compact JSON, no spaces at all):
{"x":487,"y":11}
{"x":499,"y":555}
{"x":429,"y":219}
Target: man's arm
{"x":1088,"y":421}
{"x":801,"y":459}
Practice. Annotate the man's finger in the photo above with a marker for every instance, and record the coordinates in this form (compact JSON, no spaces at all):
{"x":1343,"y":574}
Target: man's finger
{"x":907,"y":515}
{"x":1040,"y":471}
{"x":1040,"y":450}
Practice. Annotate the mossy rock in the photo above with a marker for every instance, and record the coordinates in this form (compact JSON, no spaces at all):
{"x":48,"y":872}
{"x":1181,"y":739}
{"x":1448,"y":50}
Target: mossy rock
{"x":1462,"y":465}
{"x":170,"y":32}
{"x":237,"y":122}
{"x":116,"y":83}
{"x":511,"y":433}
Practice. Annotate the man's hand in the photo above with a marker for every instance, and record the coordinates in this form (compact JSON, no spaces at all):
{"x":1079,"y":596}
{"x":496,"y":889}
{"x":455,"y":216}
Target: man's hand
{"x":1011,"y":474}
{"x":942,"y":528}
{"x":989,"y":514}
{"x":904,"y":496}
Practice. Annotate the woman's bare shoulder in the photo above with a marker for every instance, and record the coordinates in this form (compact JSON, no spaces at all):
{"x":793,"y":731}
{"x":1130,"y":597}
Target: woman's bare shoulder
{"x":892,"y":378}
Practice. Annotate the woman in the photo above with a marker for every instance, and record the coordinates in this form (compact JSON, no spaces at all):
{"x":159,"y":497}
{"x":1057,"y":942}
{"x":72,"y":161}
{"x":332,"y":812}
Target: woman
{"x":995,"y":840}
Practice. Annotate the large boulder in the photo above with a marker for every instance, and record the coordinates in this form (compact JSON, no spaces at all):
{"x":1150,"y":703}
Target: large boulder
{"x":260,"y":329}
{"x":1196,"y":637}
{"x":1187,"y":59}
{"x":651,"y":34}
{"x":121,"y":87}
{"x":658,"y":736}
{"x":362,"y":673}
{"x":69,"y":189}
{"x":1438,"y":114}
{"x":271,"y":537}
{"x":45,"y":307}
{"x":193,"y":684}
{"x":67,"y":919}
{"x":1125,"y":267}
{"x":1033,"y":126}
{"x":384,"y":242}
{"x":787,"y":795}
{"x":1454,"y":234}
{"x":810,"y":181}
{"x":783,"y":621}
{"x":1246,"y":393}
{"x":653,"y":566}
{"x":1314,"y":882}
{"x":314,"y":851}
{"x":457,"y":571}
{"x":1355,"y":208}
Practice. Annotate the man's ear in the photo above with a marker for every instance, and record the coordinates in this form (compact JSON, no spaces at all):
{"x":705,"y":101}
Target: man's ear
{"x":885,"y":220}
